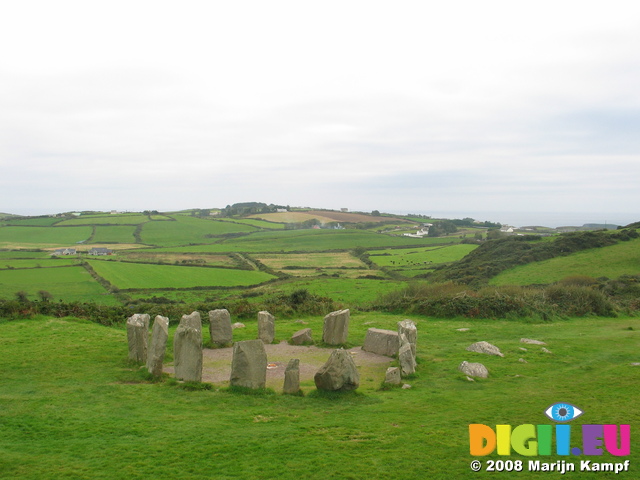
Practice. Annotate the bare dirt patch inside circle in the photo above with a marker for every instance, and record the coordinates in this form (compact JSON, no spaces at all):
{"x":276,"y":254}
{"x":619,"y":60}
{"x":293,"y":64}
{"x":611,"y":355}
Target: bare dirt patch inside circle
{"x":216,"y":365}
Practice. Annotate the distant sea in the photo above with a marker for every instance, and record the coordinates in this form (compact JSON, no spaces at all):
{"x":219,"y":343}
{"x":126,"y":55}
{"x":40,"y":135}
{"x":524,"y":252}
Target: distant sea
{"x":542,"y":219}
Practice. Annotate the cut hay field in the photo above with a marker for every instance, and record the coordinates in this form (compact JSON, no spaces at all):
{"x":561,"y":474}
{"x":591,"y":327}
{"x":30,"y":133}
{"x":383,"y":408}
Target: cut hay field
{"x":310,"y":260}
{"x":70,"y":284}
{"x":150,"y":276}
{"x":86,"y":413}
{"x":612,"y":262}
{"x":291,"y":217}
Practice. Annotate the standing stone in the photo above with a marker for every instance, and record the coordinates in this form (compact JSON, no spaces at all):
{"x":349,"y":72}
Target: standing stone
{"x":339,"y":373}
{"x":138,"y":336}
{"x":249,"y":364}
{"x":392,"y":377}
{"x":406,"y":358}
{"x":266,"y":327}
{"x":220,"y":327}
{"x":382,"y":342}
{"x":187,"y":348}
{"x":336,"y":328}
{"x":292,"y":377}
{"x":159,"y":336}
{"x":302,"y":337}
{"x":409,"y":329}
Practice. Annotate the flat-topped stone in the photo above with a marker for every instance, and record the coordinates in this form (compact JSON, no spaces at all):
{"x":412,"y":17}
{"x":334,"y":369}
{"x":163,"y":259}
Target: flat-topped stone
{"x":382,"y":342}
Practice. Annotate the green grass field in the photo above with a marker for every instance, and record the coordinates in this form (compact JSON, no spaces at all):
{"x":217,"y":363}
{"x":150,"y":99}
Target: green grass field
{"x":613,"y":261}
{"x":65,"y":283}
{"x":186,"y":230}
{"x":29,"y":237}
{"x":307,"y":241}
{"x":71,"y":406}
{"x":114,"y":234}
{"x":149,"y":276}
{"x":119,"y":219}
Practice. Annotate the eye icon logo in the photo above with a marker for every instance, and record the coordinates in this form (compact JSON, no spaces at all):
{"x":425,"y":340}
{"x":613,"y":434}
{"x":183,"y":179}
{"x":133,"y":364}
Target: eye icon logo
{"x":563,"y":412}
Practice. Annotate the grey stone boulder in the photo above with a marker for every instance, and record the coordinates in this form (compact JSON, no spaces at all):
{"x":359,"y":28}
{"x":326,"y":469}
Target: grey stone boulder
{"x":220,"y":327}
{"x":474,"y":369}
{"x":302,"y":337}
{"x":138,"y":337}
{"x":193,"y":320}
{"x":409,"y":329}
{"x":249,"y":364}
{"x":292,"y":377}
{"x":158,"y":346}
{"x":339,"y":373}
{"x":392,"y":376}
{"x":336,"y":327}
{"x":266,"y":327}
{"x":485,"y":347}
{"x":382,"y":342}
{"x":530,"y":341}
{"x":187,"y":349}
{"x":406,"y":358}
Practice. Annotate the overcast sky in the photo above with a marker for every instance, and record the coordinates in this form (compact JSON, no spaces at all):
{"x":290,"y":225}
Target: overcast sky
{"x":410,"y":106}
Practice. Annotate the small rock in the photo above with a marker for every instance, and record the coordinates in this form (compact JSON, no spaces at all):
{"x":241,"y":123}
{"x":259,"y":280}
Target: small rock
{"x":523,"y":349}
{"x":392,"y":376}
{"x":470,"y":379}
{"x":485,"y":347}
{"x":544,"y":350}
{"x":635,"y":364}
{"x":522,"y":360}
{"x":301,"y":322}
{"x":531,"y":342}
{"x":238,"y":325}
{"x":302,"y":337}
{"x":406,"y":386}
{"x":462,"y":329}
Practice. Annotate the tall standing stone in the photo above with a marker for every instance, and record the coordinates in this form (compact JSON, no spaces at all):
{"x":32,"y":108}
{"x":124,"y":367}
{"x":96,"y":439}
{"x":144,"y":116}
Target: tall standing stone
{"x":336,"y":328}
{"x":187,"y":348}
{"x":339,"y":373}
{"x":249,"y":364}
{"x":220,"y":327}
{"x":405,"y":357}
{"x":266,"y":327}
{"x":292,"y":377}
{"x":159,"y":336}
{"x":138,"y":336}
{"x":409,"y":329}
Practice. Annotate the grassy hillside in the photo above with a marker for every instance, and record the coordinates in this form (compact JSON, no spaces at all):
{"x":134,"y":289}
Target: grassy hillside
{"x":86,"y":413}
{"x":612,"y":261}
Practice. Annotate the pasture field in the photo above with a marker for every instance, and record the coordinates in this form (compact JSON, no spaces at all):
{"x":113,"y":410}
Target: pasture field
{"x":70,"y":284}
{"x":118,"y":219}
{"x":306,"y":241}
{"x":150,"y":276}
{"x":186,"y":230}
{"x":114,"y":234}
{"x":414,"y":261}
{"x":613,"y":261}
{"x":13,"y":254}
{"x":87,"y":413}
{"x":37,"y":262}
{"x":41,"y":237}
{"x":258,"y":223}
{"x":34,"y":221}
